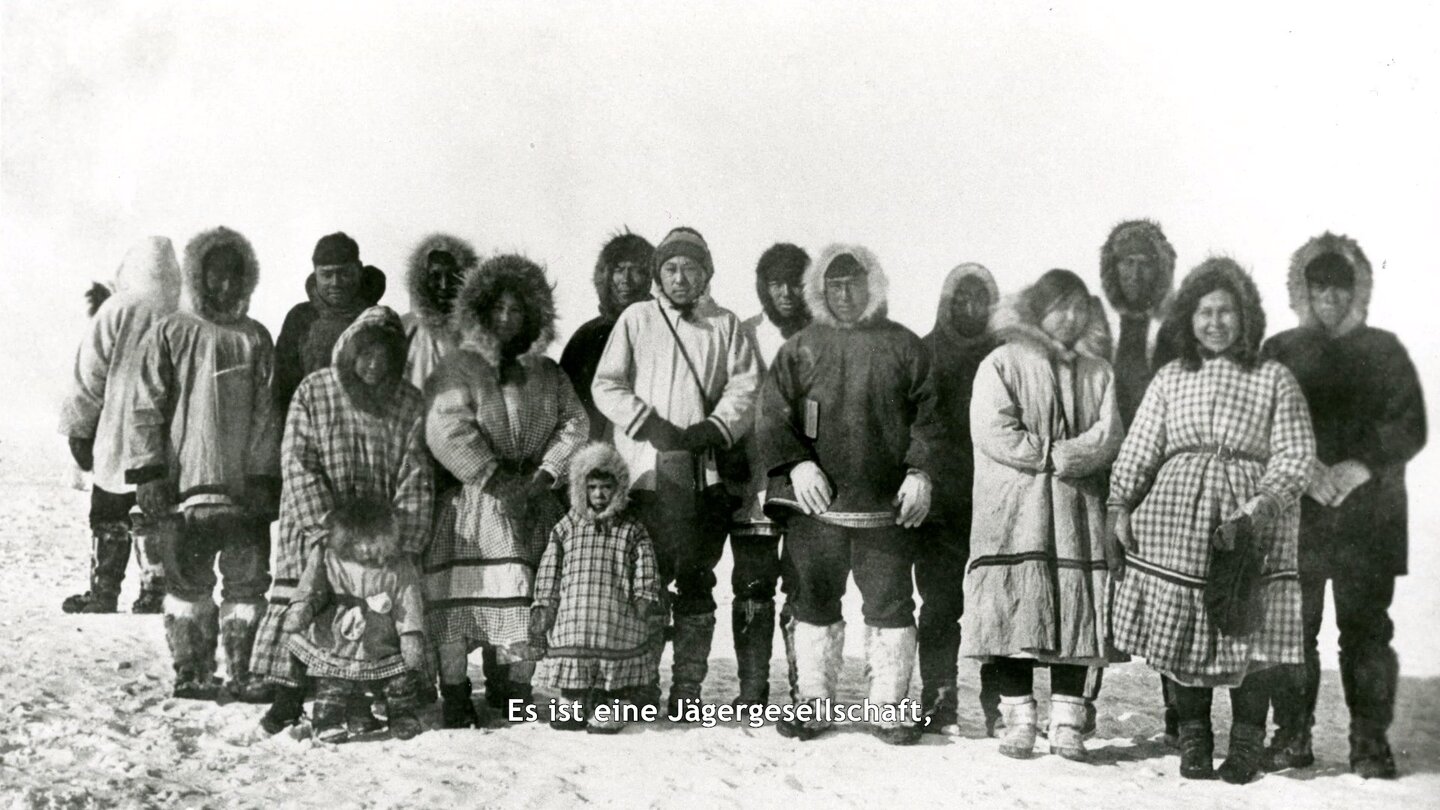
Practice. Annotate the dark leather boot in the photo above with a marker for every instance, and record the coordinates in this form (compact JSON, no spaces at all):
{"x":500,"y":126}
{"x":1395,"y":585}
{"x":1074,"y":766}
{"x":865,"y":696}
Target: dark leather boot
{"x":1197,"y":749}
{"x":1370,"y":755}
{"x":1247,"y":748}
{"x":192,"y":631}
{"x":286,"y":711}
{"x":109,"y":554}
{"x":1289,"y":748}
{"x":239,"y":622}
{"x":457,"y":709}
{"x":753,"y":623}
{"x":690,"y":660}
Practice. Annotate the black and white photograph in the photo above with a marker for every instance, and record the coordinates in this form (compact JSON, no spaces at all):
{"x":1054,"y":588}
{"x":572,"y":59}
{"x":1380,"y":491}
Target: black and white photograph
{"x":719,"y":404}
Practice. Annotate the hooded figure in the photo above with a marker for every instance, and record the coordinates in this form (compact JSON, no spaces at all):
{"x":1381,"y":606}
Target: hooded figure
{"x":434,"y":274}
{"x":203,"y":448}
{"x":1045,"y":428}
{"x":754,"y":537}
{"x":596,"y":588}
{"x":1137,"y":269}
{"x":849,"y":434}
{"x":503,"y":419}
{"x":960,"y":340}
{"x":621,"y":278}
{"x":1221,"y":448}
{"x":312,"y":327}
{"x":96,"y":416}
{"x":1369,"y":416}
{"x":345,"y":438}
{"x":677,"y":380}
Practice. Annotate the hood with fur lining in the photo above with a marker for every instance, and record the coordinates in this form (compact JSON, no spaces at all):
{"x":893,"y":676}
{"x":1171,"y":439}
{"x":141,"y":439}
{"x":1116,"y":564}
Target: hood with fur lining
{"x":598,"y":457}
{"x":620,"y":247}
{"x":1160,"y":282}
{"x":944,"y":315}
{"x":1013,"y":323}
{"x":430,"y":311}
{"x":193,"y":283}
{"x":537,"y":295}
{"x":875,"y":278}
{"x":1347,"y":249}
{"x":1176,"y":339}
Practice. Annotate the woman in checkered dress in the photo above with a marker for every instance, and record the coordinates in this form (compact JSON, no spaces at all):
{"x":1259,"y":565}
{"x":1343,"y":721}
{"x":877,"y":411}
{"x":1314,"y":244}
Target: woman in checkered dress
{"x":503,"y":419}
{"x":596,"y":590}
{"x":1221,"y":445}
{"x":344,"y":438}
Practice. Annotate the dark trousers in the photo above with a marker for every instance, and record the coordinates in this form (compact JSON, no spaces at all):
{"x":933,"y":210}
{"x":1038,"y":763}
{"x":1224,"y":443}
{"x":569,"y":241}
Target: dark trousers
{"x":824,"y":557}
{"x":939,"y":574}
{"x":688,"y":545}
{"x":757,"y":567}
{"x":1248,"y":702}
{"x":1369,"y":668}
{"x":1015,"y":677}
{"x":190,"y":549}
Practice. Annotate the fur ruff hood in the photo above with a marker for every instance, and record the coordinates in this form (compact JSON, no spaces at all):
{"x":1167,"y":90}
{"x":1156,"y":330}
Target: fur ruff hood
{"x":944,"y":316}
{"x":598,"y":457}
{"x":875,"y":310}
{"x":483,"y":284}
{"x":386,"y":324}
{"x":1164,"y":276}
{"x":1177,"y":339}
{"x":1347,"y":249}
{"x":620,"y":247}
{"x":430,"y":311}
{"x":192,"y":283}
{"x":1013,"y":323}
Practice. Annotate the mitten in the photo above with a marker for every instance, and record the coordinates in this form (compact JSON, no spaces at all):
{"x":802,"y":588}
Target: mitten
{"x":702,"y":436}
{"x":662,"y":435}
{"x":83,"y":451}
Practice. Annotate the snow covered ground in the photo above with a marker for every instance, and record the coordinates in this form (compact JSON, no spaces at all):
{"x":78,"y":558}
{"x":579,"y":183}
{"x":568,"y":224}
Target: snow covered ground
{"x":86,"y":720}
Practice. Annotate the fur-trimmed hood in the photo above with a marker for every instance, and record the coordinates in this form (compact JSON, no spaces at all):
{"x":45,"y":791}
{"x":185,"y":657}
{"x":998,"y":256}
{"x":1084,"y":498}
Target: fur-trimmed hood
{"x":621,"y":247}
{"x":192,"y":282}
{"x":879,"y":285}
{"x":384,"y":324}
{"x":1347,"y":249}
{"x":1014,"y":323}
{"x":598,"y":457}
{"x":782,"y":262}
{"x":944,"y":315}
{"x":482,"y":286}
{"x":1160,"y":283}
{"x":1177,"y":335}
{"x":422,"y":303}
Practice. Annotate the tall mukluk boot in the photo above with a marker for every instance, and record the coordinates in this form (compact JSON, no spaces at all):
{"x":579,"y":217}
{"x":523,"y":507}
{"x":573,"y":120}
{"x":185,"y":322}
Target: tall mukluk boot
{"x":690,"y":659}
{"x":109,"y":554}
{"x":457,"y":709}
{"x":1020,"y":716}
{"x":192,"y":630}
{"x":938,"y":648}
{"x":1247,"y":748}
{"x":152,"y":575}
{"x":238,"y":623}
{"x":819,"y":656}
{"x":753,"y":622}
{"x":889,"y":663}
{"x":787,"y":635}
{"x":1197,"y":749}
{"x":1067,"y":727}
{"x":1370,"y":676}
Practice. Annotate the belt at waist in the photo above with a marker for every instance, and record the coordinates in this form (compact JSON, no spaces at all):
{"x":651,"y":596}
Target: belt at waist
{"x":1221,"y":452}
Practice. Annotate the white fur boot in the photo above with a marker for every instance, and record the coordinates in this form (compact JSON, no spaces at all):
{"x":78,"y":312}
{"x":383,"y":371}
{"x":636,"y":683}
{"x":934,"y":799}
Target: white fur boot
{"x":889,"y":663}
{"x":1020,"y":718}
{"x":1067,"y":725}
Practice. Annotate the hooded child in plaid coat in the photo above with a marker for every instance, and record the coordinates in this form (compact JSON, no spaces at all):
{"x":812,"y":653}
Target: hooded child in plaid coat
{"x":596,"y":591}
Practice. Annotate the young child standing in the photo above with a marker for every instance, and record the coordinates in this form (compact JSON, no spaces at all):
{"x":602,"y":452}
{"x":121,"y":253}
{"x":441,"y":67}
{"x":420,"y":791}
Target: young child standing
{"x":358,"y":622}
{"x":595,"y":594}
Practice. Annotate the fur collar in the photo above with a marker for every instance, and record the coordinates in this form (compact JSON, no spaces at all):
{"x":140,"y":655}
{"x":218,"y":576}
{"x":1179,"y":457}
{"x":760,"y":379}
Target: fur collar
{"x":874,"y":277}
{"x":1164,"y":276}
{"x":1348,"y":250}
{"x":431,"y":312}
{"x":944,"y":317}
{"x":618,"y":248}
{"x":386,"y":323}
{"x":598,"y":457}
{"x":192,"y":284}
{"x":527,"y":280}
{"x":1013,"y":323}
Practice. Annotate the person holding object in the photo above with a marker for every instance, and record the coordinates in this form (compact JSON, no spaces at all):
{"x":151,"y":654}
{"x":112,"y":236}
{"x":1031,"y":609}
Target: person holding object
{"x":203,"y":450}
{"x":1046,"y":427}
{"x":594,"y":595}
{"x":1369,"y":414}
{"x":96,"y":416}
{"x":678,"y":380}
{"x":849,"y":433}
{"x":1217,"y":458}
{"x":502,"y":418}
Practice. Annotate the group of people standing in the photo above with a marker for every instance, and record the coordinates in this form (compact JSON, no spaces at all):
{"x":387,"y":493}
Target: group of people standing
{"x":1059,"y":498}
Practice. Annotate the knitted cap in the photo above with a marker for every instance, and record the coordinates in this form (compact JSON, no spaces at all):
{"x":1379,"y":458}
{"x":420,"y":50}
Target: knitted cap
{"x":682,"y":242}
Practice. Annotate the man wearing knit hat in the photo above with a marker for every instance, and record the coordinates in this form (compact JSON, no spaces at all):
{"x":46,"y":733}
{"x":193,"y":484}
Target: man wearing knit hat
{"x":678,"y":379}
{"x":755,"y":538}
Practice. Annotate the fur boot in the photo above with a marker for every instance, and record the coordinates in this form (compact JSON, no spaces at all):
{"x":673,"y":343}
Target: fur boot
{"x":614,"y":721}
{"x":402,"y":700}
{"x":152,"y":575}
{"x":753,"y":623}
{"x":1020,"y":719}
{"x":1247,"y":747}
{"x":457,"y":709}
{"x":1370,"y":676}
{"x":1067,"y":727}
{"x":691,"y":657}
{"x":238,"y":623}
{"x":192,"y":630}
{"x":578,"y":702}
{"x":889,"y":664}
{"x":787,"y":635}
{"x":1197,"y":750}
{"x":285,"y":711}
{"x":109,"y":554}
{"x":819,"y":656}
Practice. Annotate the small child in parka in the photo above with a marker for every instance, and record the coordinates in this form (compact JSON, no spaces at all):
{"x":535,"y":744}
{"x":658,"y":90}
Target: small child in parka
{"x":595,"y":596}
{"x":358,"y":622}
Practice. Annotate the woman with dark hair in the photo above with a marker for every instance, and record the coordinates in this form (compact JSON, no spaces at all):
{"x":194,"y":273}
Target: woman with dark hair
{"x":1045,"y":427}
{"x":504,"y":420}
{"x":1216,"y":460}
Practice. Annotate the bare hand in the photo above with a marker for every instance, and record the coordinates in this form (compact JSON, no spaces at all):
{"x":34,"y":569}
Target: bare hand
{"x":812,"y":489}
{"x":1322,"y":487}
{"x":1348,"y":476}
{"x":913,"y":500}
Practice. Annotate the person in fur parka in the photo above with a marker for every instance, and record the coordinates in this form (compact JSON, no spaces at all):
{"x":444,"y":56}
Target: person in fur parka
{"x":503,"y":419}
{"x":1045,"y":427}
{"x":621,"y":277}
{"x":595,"y":592}
{"x":1369,"y":416}
{"x":203,"y":449}
{"x":95,"y":417}
{"x":1137,"y":270}
{"x":433,"y":275}
{"x":849,"y":432}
